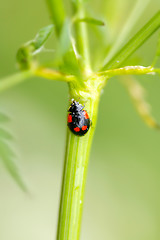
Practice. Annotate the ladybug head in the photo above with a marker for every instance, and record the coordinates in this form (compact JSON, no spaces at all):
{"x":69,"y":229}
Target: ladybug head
{"x":75,"y":107}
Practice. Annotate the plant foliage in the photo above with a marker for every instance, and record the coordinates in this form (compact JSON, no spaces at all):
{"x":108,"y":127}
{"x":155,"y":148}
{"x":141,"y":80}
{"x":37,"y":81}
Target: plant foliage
{"x":7,"y":154}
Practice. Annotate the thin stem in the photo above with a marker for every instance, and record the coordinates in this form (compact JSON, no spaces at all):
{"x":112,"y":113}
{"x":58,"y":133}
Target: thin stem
{"x":82,"y":37}
{"x":17,"y":78}
{"x":138,"y":97}
{"x":134,"y":43}
{"x":47,"y":73}
{"x":129,"y":70}
{"x":74,"y":178}
{"x":56,"y":9}
{"x":53,"y":74}
{"x":134,"y":16}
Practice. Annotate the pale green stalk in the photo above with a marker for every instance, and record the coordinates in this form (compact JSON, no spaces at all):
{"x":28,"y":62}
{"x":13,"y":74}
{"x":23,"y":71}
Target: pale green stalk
{"x":17,"y":78}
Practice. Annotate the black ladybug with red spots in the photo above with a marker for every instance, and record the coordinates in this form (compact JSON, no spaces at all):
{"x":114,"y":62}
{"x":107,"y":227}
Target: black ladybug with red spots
{"x":78,"y":119}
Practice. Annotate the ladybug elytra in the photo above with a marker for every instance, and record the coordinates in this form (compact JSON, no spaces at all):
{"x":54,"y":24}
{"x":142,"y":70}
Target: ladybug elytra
{"x":78,"y":119}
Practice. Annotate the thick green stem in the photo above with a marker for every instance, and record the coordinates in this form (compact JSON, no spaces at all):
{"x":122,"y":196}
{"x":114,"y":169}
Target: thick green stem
{"x":74,"y":179}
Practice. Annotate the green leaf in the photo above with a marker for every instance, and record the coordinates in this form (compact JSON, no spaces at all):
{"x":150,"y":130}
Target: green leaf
{"x":25,"y":53}
{"x":7,"y":156}
{"x":42,"y":36}
{"x":91,"y":21}
{"x":134,"y":43}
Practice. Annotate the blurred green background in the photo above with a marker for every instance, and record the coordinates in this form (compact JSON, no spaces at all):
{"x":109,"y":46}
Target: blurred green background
{"x":122,"y":200}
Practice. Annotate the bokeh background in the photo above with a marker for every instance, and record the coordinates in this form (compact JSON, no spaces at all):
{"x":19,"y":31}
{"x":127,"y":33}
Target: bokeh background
{"x":122,"y":200}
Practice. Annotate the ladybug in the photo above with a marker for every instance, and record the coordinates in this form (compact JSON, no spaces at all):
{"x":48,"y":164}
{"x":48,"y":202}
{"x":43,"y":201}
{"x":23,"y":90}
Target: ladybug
{"x":78,"y":119}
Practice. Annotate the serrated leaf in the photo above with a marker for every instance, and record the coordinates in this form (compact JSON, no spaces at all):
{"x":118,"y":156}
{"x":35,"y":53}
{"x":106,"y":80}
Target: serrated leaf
{"x":26,"y":52}
{"x":91,"y":21}
{"x":7,"y":155}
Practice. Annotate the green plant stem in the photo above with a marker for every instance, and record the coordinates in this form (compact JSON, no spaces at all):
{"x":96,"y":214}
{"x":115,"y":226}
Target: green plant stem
{"x":74,"y":179}
{"x":138,"y":97}
{"x":53,"y":74}
{"x":17,"y":78}
{"x":129,"y":70}
{"x":82,"y":37}
{"x":136,"y":13}
{"x":144,"y":33}
{"x":57,"y":12}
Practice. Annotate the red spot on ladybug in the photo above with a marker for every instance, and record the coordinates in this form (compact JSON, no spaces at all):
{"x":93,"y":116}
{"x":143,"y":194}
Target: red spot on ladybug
{"x":84,"y":128}
{"x":76,"y":129}
{"x":69,"y":118}
{"x":86,"y":114}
